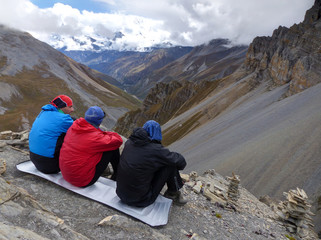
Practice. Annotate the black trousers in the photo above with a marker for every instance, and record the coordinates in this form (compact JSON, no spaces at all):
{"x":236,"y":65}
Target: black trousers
{"x":45,"y":164}
{"x":107,"y":157}
{"x":169,"y":175}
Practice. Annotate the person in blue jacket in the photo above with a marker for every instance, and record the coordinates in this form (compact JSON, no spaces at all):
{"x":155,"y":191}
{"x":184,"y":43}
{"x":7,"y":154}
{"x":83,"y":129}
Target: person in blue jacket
{"x":47,"y":133}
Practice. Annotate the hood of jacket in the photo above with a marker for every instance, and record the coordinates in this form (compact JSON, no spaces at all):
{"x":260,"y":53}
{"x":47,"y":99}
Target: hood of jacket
{"x":140,"y":137}
{"x":49,"y":107}
{"x":81,"y":125}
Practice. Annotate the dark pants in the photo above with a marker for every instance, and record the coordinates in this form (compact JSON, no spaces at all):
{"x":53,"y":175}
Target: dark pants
{"x":45,"y":164}
{"x":107,"y":157}
{"x":168,"y":175}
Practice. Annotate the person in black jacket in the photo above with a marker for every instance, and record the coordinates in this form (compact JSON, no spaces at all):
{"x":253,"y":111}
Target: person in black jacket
{"x":145,"y":166}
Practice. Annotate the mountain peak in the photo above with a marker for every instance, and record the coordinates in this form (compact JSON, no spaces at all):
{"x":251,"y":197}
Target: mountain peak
{"x":290,"y":55}
{"x":314,"y":13}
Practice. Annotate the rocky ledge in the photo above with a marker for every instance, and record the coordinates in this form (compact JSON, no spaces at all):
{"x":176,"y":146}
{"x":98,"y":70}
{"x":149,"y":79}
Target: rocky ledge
{"x":218,"y":208}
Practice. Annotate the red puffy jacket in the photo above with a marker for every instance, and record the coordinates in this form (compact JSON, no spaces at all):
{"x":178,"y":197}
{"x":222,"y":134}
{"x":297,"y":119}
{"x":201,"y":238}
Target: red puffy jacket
{"x":82,"y":149}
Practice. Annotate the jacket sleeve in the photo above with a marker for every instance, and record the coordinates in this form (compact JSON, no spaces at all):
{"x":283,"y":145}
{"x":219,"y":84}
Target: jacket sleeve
{"x":108,"y":141}
{"x":173,"y":158}
{"x":67,"y":122}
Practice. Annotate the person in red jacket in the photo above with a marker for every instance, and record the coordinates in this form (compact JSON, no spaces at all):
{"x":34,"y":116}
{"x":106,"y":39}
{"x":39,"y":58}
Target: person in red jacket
{"x":87,"y":150}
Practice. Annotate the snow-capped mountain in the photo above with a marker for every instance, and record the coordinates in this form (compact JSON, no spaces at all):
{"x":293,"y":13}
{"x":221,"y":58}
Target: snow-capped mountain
{"x":98,"y":43}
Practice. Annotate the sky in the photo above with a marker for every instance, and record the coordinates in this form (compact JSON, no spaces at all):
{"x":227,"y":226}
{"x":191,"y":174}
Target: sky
{"x":144,"y":23}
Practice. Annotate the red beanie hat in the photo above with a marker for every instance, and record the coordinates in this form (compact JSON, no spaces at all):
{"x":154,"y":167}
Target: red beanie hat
{"x":61,"y":101}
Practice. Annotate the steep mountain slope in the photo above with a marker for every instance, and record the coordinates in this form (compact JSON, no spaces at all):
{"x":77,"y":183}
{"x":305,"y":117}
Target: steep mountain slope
{"x":138,"y":72}
{"x":128,"y":67}
{"x":164,"y":102}
{"x":263,"y":121}
{"x":32,"y":73}
{"x":183,"y":83}
{"x":207,"y":62}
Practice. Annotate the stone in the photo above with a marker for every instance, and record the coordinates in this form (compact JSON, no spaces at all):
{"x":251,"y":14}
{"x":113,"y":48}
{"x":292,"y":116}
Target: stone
{"x":296,"y":214}
{"x":3,"y":165}
{"x":210,"y":172}
{"x":198,"y":187}
{"x":193,"y":175}
{"x":233,"y":188}
{"x":2,"y":144}
{"x":190,"y":184}
{"x":212,"y":197}
{"x":6,"y":135}
{"x":185,"y":177}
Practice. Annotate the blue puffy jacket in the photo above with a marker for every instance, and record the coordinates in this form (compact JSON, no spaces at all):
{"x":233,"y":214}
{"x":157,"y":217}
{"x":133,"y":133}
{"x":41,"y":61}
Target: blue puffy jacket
{"x":46,"y":129}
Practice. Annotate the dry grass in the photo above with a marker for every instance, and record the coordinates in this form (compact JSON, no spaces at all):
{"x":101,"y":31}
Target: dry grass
{"x":36,"y":91}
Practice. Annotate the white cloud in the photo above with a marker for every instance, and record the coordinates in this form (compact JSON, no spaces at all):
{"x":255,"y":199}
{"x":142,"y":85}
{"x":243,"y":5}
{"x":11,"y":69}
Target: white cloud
{"x":202,"y":20}
{"x":145,"y":22}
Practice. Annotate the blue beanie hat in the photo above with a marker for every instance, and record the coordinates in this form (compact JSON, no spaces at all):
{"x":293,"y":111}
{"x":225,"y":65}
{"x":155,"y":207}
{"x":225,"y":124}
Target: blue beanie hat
{"x":94,"y":115}
{"x":153,"y":129}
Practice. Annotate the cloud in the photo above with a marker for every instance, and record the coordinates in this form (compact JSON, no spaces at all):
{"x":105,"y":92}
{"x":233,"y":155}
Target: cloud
{"x":194,"y":22}
{"x":145,"y":22}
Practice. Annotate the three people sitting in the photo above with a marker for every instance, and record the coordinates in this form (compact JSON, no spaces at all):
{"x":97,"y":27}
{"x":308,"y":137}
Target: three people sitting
{"x":141,"y":172}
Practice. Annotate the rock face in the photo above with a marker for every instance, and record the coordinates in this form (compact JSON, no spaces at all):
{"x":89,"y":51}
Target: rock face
{"x":162,"y":103}
{"x":33,"y":208}
{"x":291,"y":55}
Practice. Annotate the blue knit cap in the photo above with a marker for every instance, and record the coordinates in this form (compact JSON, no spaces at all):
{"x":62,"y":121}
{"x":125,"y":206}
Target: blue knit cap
{"x":94,"y":115}
{"x":153,"y":129}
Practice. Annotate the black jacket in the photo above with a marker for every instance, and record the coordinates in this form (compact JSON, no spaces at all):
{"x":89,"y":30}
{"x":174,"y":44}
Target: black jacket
{"x":140,"y":159}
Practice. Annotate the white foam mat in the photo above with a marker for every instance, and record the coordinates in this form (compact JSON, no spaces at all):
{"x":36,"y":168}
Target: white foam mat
{"x":104,"y":191}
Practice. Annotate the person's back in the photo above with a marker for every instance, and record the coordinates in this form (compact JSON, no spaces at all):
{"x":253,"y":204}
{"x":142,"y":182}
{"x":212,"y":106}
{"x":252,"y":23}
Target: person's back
{"x":145,"y":166}
{"x":87,"y":150}
{"x":47,"y":134}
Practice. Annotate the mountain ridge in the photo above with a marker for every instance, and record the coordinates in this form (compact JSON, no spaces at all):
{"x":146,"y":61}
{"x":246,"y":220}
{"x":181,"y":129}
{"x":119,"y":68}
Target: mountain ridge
{"x":128,"y":67}
{"x":138,"y":72}
{"x":32,"y":73}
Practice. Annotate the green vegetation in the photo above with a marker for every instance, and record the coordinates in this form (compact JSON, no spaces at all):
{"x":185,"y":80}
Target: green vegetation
{"x":289,"y":237}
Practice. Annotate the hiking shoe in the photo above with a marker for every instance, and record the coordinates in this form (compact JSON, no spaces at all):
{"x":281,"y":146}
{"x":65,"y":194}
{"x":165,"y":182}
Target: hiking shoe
{"x":177,"y":197}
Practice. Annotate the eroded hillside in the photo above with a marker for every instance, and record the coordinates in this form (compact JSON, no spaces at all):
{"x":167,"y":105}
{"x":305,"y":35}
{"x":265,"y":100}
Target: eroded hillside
{"x":32,"y":73}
